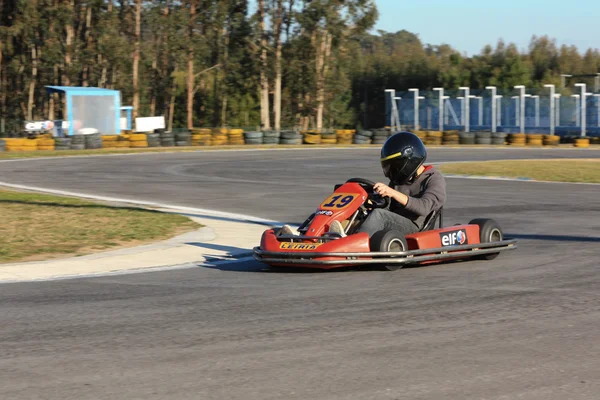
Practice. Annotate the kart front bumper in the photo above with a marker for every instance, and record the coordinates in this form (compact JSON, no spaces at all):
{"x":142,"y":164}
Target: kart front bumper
{"x":316,"y":259}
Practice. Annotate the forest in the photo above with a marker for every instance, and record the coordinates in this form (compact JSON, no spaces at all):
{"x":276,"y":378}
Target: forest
{"x":273,"y":64}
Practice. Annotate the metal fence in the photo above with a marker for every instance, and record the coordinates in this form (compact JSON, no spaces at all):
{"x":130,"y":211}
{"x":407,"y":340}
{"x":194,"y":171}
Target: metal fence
{"x":520,"y":110}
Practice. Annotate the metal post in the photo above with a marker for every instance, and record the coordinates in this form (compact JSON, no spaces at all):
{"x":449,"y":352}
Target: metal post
{"x":441,"y":108}
{"x":467,"y":119}
{"x":597,"y":96}
{"x":494,"y":118}
{"x":597,"y":83}
{"x":517,"y":110}
{"x":557,"y":108}
{"x":498,"y":111}
{"x":416,"y":108}
{"x":462,"y":110}
{"x":552,"y":107}
{"x":577,"y":114}
{"x":537,"y":109}
{"x":583,"y":107}
{"x":445,"y":99}
{"x":396,"y":114}
{"x":522,"y":104}
{"x":389,"y":99}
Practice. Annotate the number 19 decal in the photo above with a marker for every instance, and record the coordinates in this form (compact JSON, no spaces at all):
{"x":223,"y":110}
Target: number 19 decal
{"x":338,"y":201}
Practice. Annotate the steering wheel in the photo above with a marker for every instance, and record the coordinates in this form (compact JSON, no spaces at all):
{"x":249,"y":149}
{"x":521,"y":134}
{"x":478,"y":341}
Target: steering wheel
{"x":377,"y":200}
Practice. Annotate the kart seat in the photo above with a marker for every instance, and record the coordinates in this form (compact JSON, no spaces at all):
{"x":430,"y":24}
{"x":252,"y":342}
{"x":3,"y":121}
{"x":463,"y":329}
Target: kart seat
{"x":432,"y":218}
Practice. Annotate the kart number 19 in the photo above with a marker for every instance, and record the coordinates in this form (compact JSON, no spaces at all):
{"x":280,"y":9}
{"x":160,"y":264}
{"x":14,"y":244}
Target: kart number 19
{"x":338,"y":201}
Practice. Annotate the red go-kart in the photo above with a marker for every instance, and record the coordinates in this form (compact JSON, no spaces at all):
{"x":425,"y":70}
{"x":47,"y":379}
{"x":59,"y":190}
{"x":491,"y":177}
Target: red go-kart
{"x":350,"y":204}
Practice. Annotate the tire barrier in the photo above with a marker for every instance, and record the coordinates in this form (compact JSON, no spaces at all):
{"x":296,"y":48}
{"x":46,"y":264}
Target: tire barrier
{"x":238,"y":137}
{"x":516,"y":139}
{"x":534,"y":140}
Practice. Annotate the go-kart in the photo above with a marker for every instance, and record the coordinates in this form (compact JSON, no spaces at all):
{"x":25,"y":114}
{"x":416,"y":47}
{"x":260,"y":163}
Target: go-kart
{"x":350,"y":204}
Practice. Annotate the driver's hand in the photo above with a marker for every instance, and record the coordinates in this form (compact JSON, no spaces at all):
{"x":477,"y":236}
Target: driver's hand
{"x":383,"y":190}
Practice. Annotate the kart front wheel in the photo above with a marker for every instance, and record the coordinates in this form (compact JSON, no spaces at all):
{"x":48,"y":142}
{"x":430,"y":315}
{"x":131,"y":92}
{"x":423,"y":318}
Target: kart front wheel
{"x":390,"y":241}
{"x":489,"y":232}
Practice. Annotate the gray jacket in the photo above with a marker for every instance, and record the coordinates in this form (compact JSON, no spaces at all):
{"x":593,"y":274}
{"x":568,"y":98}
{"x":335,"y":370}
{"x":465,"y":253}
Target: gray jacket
{"x":426,"y":194}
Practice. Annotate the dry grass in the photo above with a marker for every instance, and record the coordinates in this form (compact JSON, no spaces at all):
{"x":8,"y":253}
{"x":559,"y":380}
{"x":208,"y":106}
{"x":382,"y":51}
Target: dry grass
{"x":39,"y":227}
{"x":563,"y":170}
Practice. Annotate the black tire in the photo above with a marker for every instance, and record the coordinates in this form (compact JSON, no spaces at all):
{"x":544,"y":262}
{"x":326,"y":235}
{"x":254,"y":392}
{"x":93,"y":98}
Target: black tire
{"x":181,"y":143}
{"x":271,"y":134}
{"x":483,"y":140}
{"x":254,"y":141}
{"x":183,"y":137}
{"x":77,"y":139}
{"x":253,"y":135}
{"x":388,"y":241}
{"x":167,"y":143}
{"x":365,"y":133}
{"x":466,"y":138}
{"x":270,"y":140}
{"x":489,"y":231}
{"x":159,"y":130}
{"x":290,"y":141}
{"x":167,"y":136}
{"x":78,"y":146}
{"x":499,"y":135}
{"x":62,"y":147}
{"x":289,"y":135}
{"x":483,"y":135}
{"x":62,"y":142}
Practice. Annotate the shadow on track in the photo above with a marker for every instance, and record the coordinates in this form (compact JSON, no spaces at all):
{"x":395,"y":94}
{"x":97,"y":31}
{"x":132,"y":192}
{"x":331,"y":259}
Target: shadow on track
{"x":557,"y":238}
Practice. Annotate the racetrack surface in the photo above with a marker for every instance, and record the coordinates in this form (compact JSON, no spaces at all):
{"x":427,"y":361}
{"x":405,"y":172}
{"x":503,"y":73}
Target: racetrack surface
{"x":521,"y":326}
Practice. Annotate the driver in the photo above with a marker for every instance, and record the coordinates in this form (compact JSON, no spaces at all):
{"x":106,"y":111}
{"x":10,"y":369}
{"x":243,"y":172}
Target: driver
{"x":415,"y":190}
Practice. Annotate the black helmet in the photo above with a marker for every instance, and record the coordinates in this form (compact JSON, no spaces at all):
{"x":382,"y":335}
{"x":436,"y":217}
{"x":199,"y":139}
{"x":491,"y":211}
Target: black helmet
{"x":401,"y":156}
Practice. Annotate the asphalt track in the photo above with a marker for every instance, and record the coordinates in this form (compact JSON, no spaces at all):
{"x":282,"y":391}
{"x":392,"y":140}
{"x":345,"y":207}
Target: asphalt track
{"x":522,"y":326}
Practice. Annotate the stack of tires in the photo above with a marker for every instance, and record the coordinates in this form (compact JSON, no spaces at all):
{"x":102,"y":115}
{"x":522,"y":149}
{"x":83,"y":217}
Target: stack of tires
{"x":380,"y":136}
{"x":62,"y":143}
{"x":535,"y":140}
{"x":483,"y":138}
{"x":201,"y":137}
{"x":433,"y":138}
{"x":236,"y":137}
{"x":467,"y":138}
{"x":450,"y":138}
{"x":582,"y":142}
{"x":123,"y":141}
{"x":331,"y":138}
{"x":312,"y":137}
{"x":46,"y":143}
{"x":109,"y":141}
{"x":220,"y":137}
{"x":93,"y":141}
{"x":78,"y":142}
{"x":2,"y":145}
{"x":167,"y":138}
{"x":421,"y":135}
{"x":153,"y":139}
{"x":516,"y":139}
{"x":498,"y":138}
{"x":183,"y":138}
{"x":344,"y":136}
{"x":595,"y":140}
{"x":253,"y":137}
{"x":362,"y":137}
{"x":551,"y":140}
{"x":273,"y":137}
{"x":138,"y":140}
{"x":290,"y":137}
{"x":14,"y":144}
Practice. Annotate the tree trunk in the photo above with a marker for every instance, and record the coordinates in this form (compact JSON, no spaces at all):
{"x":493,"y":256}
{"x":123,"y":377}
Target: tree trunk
{"x":278,"y":22}
{"x":264,"y":79}
{"x":224,"y":76}
{"x":53,"y":96}
{"x":322,"y":62}
{"x":136,"y":58}
{"x":190,"y":67}
{"x":70,"y":31}
{"x":3,"y":88}
{"x":88,"y":41}
{"x":172,"y":102}
{"x":165,"y":63}
{"x":34,"y":62}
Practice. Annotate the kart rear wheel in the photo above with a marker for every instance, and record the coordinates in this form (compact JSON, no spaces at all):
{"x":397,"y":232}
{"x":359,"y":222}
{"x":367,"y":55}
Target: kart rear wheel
{"x":489,"y":231}
{"x":389,"y":241}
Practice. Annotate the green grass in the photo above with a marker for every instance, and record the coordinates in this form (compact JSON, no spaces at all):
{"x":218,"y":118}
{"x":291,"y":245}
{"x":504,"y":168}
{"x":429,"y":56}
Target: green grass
{"x":37,"y":227}
{"x":563,"y":170}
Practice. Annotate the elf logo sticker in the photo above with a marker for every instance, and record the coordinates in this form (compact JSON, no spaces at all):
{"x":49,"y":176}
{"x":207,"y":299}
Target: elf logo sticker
{"x":454,"y":238}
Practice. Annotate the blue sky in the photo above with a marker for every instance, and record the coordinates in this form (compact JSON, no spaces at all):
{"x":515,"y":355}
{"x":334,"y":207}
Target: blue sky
{"x":468,"y":25}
